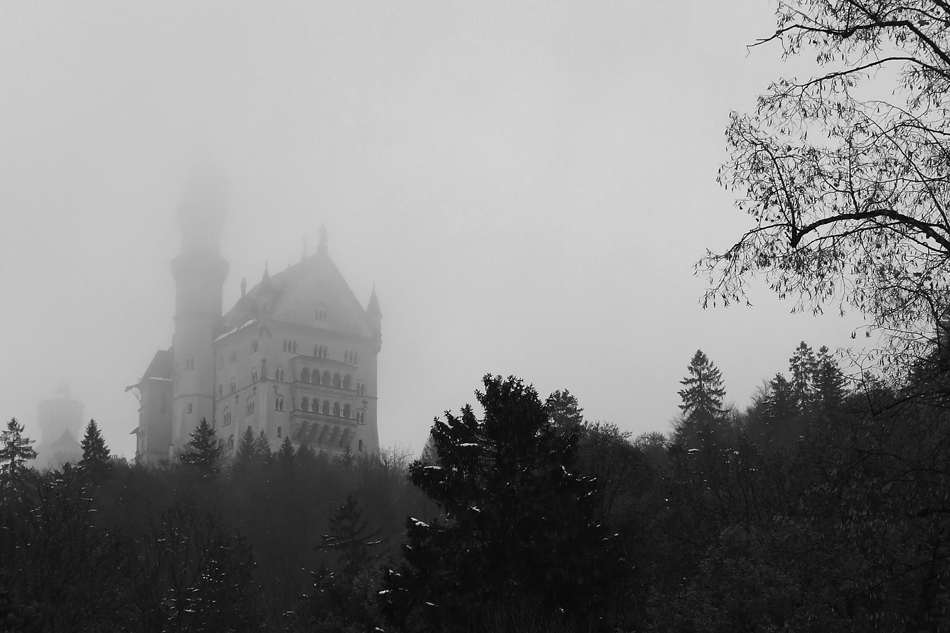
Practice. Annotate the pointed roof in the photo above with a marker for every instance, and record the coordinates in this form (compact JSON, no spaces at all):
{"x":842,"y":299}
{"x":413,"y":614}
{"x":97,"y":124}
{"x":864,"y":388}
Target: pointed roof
{"x":294,"y":295}
{"x":372,"y":309}
{"x":161,"y":365}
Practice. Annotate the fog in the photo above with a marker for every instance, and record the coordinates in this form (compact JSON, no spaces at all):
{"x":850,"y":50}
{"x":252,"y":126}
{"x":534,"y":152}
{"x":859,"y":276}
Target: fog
{"x":527,"y":185}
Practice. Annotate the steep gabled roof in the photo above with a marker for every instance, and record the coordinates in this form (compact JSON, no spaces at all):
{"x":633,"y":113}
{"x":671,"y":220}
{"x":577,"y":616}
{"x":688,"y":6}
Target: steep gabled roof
{"x":294,"y":295}
{"x":161,"y":365}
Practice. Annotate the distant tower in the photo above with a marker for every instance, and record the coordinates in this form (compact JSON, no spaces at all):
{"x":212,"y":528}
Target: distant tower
{"x":60,"y":420}
{"x":199,"y":272}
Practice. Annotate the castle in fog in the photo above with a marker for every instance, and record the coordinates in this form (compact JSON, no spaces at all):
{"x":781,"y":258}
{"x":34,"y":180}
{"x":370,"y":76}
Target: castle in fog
{"x":295,"y":357}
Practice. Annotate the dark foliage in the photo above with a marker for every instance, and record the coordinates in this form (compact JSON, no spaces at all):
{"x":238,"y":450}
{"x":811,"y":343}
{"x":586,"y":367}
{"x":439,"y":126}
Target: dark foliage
{"x":519,"y":530}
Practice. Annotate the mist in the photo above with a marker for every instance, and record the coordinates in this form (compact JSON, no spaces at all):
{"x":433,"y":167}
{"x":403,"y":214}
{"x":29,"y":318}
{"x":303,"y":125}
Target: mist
{"x":527,"y":187}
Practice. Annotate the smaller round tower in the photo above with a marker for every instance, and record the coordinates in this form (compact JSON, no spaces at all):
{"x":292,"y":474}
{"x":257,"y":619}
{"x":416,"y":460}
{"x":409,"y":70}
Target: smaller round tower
{"x":60,"y":420}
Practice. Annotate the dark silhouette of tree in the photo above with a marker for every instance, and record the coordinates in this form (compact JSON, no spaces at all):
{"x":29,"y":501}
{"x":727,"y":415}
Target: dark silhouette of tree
{"x":15,"y":451}
{"x":349,"y":537}
{"x":262,"y":448}
{"x":519,"y":529}
{"x":285,"y":454}
{"x":203,"y":453}
{"x":845,"y":173}
{"x":564,"y":410}
{"x":703,"y":417}
{"x":95,"y":462}
{"x":246,"y":454}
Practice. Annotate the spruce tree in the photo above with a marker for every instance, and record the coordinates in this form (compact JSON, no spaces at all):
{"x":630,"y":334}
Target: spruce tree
{"x":262,"y":448}
{"x":246,"y":453}
{"x":285,"y":454}
{"x":702,"y":401}
{"x":519,"y":528}
{"x":202,"y":451}
{"x":95,"y":462}
{"x":15,"y":451}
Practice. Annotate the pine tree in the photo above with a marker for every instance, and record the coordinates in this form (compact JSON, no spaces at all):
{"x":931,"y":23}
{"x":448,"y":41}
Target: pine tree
{"x":348,"y":536}
{"x":15,"y":451}
{"x":702,"y":398}
{"x":520,"y":525}
{"x":285,"y":454}
{"x":830,"y":383}
{"x":246,"y":453}
{"x":802,"y":367}
{"x":202,"y":451}
{"x":95,"y":462}
{"x":262,"y":448}
{"x":564,"y":410}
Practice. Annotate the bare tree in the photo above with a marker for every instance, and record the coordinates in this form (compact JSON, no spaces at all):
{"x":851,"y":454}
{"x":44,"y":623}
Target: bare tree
{"x":846,"y":174}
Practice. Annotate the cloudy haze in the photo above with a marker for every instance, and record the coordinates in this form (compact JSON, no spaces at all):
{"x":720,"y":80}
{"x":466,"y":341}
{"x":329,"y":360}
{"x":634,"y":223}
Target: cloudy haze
{"x":527,"y":184}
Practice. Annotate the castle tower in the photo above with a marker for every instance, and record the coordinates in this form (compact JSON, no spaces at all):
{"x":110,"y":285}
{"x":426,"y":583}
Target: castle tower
{"x":199,"y":272}
{"x":60,"y":420}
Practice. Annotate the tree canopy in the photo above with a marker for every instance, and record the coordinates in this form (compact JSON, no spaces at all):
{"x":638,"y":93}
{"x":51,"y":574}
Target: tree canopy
{"x":845,"y":174}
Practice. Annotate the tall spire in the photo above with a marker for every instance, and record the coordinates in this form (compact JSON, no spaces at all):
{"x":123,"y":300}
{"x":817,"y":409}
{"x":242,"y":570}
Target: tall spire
{"x":322,"y":248}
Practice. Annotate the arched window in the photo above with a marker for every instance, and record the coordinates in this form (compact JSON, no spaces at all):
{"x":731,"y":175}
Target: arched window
{"x":305,"y":404}
{"x":279,"y":403}
{"x":361,"y":446}
{"x":326,"y":379}
{"x":336,"y":409}
{"x":359,"y":417}
{"x":254,"y":374}
{"x":278,"y":432}
{"x":249,"y":405}
{"x":346,"y":381}
{"x":191,"y":407}
{"x":346,"y":411}
{"x":279,"y":374}
{"x":315,"y":406}
{"x":232,"y":386}
{"x":336,"y":380}
{"x":231,"y":442}
{"x":254,"y":345}
{"x":326,"y":407}
{"x":227,"y":416}
{"x":305,"y":375}
{"x":294,"y":347}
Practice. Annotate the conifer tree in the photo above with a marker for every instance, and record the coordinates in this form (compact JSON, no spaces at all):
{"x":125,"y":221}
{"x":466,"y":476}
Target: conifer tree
{"x":202,"y":451}
{"x":285,"y":454}
{"x":95,"y":462}
{"x":519,"y":530}
{"x":15,"y":451}
{"x":348,"y":536}
{"x":802,"y":367}
{"x":246,"y":453}
{"x":262,"y":448}
{"x":702,"y":401}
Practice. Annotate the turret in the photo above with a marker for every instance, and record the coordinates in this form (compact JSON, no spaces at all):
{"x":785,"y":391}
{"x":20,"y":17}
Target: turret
{"x":199,"y":273}
{"x":375,"y":316}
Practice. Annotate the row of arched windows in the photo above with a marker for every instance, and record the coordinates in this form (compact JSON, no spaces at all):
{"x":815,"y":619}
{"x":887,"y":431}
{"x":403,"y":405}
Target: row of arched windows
{"x":290,"y":346}
{"x":351,"y":357}
{"x":321,"y":351}
{"x":325,"y":379}
{"x":327,"y":408}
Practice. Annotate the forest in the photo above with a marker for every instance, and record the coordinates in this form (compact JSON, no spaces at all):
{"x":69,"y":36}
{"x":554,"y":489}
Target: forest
{"x":821,"y":507}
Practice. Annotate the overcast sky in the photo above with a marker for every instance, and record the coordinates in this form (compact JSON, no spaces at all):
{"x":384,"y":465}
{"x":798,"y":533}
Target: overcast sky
{"x":528,"y":184}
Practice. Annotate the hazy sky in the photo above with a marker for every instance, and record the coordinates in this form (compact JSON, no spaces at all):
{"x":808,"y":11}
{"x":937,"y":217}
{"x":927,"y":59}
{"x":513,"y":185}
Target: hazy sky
{"x":528,"y":184}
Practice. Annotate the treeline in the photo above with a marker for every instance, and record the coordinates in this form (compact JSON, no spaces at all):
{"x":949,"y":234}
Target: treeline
{"x":822,"y":507}
{"x":204,"y":544}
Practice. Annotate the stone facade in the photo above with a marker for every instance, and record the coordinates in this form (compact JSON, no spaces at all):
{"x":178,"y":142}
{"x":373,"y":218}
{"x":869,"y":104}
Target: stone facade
{"x":295,"y":357}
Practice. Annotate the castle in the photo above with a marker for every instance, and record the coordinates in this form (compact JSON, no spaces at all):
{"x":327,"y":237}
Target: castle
{"x":295,"y":357}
